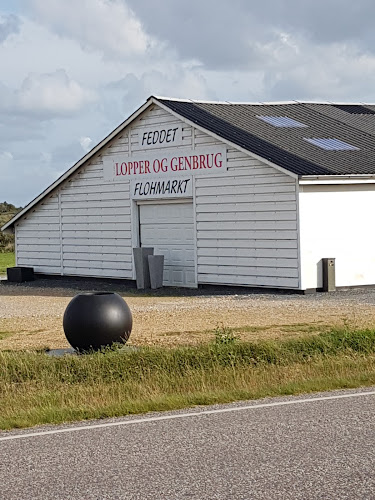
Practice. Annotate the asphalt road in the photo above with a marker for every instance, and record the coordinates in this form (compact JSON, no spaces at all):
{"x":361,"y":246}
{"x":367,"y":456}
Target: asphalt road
{"x":308,"y":447}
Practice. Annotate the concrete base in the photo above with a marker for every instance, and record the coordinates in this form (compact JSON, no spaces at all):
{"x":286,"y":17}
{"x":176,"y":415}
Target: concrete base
{"x":58,"y":353}
{"x":142,"y":272}
{"x":156,"y":267}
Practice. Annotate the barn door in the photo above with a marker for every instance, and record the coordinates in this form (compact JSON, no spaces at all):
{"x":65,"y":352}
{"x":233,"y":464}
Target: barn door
{"x":169,"y":228}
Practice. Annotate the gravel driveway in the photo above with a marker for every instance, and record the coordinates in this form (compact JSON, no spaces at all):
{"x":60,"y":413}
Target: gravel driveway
{"x":31,"y":313}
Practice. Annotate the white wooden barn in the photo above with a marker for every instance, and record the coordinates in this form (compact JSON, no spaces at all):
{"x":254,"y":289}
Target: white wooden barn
{"x":230,"y":193}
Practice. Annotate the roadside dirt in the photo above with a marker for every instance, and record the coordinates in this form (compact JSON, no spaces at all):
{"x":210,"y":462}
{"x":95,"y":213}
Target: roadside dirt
{"x":31,"y":314}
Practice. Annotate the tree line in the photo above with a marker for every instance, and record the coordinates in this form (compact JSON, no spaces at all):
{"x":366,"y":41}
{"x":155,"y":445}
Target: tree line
{"x":7,"y":211}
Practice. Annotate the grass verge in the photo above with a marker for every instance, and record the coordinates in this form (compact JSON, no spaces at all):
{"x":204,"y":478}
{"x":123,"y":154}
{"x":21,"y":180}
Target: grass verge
{"x":36,"y":389}
{"x":7,"y":259}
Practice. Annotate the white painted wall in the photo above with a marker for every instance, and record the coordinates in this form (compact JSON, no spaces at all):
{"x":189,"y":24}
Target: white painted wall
{"x":247,"y":224}
{"x":246,"y":218}
{"x":335,"y":221}
{"x":93,"y":234}
{"x":96,"y":231}
{"x":37,"y":237}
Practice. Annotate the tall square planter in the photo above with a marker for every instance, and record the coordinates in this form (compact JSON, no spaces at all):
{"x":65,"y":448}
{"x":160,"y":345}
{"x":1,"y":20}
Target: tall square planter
{"x":156,"y":267}
{"x":142,"y":273}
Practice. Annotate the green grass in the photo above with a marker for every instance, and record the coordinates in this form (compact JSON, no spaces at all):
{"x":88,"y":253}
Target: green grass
{"x":4,"y":335}
{"x":6,"y":260}
{"x":37,"y":389}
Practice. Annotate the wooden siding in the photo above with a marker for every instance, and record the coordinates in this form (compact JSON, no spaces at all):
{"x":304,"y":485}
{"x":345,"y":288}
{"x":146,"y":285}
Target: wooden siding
{"x":157,"y":116}
{"x":38,"y":237}
{"x":84,"y":229}
{"x":246,"y":224}
{"x":245,"y":229}
{"x":95,"y":223}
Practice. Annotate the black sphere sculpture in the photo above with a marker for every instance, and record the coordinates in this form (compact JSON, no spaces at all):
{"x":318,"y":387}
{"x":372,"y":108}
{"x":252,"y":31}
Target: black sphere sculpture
{"x":97,"y":319}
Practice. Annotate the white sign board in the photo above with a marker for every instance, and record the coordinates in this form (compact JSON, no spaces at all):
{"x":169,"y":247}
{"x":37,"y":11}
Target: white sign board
{"x":167,"y":187}
{"x":159,"y":137}
{"x":178,"y":162}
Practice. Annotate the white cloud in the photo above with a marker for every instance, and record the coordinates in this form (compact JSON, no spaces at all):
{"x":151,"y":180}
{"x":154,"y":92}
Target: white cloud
{"x":46,"y":157}
{"x":73,"y":70}
{"x":107,"y":26}
{"x":9,"y":25}
{"x":43,"y":51}
{"x":319,"y":73}
{"x":85,"y":142}
{"x":30,"y":175}
{"x":225,"y":35}
{"x":6,"y":155}
{"x":52,"y":93}
{"x":180,"y":82}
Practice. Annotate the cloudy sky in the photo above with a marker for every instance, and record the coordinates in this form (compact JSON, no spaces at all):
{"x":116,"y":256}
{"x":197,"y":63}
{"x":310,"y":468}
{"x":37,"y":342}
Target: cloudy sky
{"x":72,"y":70}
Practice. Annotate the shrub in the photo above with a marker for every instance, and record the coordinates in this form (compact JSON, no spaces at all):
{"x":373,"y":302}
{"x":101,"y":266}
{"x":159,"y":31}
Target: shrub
{"x":7,"y":211}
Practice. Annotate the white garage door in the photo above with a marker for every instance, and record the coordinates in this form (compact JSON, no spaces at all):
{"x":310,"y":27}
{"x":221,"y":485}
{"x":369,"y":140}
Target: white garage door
{"x":169,"y":228}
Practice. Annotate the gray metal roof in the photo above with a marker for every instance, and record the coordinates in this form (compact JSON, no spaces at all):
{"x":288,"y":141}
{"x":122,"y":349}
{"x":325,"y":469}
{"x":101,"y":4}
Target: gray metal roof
{"x":287,"y":147}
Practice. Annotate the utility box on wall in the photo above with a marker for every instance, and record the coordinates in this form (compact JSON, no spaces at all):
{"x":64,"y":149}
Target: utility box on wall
{"x":329,"y":275}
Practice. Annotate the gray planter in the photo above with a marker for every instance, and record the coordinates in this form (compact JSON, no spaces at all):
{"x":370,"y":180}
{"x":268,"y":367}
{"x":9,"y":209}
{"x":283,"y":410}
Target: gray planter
{"x":142,"y":273}
{"x":156,"y":267}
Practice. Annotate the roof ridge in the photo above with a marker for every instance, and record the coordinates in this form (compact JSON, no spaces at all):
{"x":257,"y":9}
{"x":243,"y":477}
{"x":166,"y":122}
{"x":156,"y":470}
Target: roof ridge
{"x":261,"y":103}
{"x":205,"y":101}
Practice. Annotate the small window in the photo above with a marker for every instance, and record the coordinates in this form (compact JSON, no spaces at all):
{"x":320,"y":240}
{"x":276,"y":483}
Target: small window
{"x":331,"y":144}
{"x":281,"y":121}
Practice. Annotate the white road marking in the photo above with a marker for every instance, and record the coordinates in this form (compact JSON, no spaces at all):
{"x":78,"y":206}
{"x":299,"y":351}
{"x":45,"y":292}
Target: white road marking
{"x":186,"y":415}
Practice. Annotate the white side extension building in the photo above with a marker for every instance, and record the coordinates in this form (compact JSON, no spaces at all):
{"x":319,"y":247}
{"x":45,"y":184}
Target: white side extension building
{"x":230,"y":193}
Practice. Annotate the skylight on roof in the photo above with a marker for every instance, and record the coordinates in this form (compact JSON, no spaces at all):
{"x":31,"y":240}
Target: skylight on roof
{"x":331,"y":144}
{"x":281,"y":121}
{"x":354,"y":109}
